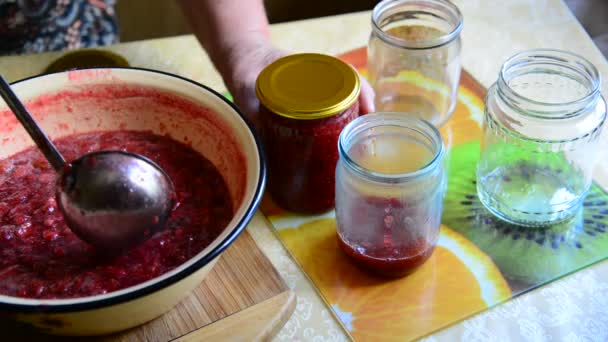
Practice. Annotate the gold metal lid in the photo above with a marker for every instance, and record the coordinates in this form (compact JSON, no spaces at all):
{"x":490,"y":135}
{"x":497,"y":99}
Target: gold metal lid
{"x":308,"y":86}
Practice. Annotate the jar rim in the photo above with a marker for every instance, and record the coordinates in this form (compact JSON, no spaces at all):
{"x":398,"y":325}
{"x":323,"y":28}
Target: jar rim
{"x":394,"y":119}
{"x":445,"y":6}
{"x":517,"y":135}
{"x":564,"y":59}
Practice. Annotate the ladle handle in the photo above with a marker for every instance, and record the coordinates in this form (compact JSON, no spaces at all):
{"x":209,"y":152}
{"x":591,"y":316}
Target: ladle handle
{"x":42,"y":141}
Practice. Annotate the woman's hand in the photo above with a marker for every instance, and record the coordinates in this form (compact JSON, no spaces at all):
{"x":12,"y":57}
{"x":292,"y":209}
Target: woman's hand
{"x":249,"y":60}
{"x":246,"y":61}
{"x":235,"y":34}
{"x":366,"y":98}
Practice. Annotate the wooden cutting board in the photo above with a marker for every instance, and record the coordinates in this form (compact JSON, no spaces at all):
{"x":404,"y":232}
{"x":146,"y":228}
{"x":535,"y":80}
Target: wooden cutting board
{"x":243,"y":298}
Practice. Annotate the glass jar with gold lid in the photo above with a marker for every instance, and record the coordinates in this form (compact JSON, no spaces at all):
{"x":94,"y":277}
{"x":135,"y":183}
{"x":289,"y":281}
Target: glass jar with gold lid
{"x":306,"y":101}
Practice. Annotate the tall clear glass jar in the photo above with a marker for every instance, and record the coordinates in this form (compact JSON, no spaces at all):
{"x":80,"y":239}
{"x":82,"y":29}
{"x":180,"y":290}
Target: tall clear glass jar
{"x":414,"y":57}
{"x":542,"y":124}
{"x":390,"y":184}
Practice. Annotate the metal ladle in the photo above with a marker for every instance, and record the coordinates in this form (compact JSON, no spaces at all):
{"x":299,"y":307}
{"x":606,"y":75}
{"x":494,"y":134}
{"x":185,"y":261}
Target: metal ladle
{"x":110,"y":199}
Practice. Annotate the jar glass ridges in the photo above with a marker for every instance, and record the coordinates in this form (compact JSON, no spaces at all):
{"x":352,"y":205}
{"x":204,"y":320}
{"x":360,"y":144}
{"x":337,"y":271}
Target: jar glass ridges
{"x":414,"y":57}
{"x":542,"y":124}
{"x":390,"y":184}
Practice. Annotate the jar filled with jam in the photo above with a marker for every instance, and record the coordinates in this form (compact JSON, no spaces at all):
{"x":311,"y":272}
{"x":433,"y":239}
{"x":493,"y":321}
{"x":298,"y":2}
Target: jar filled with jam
{"x":306,"y":101}
{"x":390,"y":184}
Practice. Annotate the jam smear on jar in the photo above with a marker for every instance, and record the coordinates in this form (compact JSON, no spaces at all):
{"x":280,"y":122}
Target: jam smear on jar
{"x":386,"y":237}
{"x":40,"y":257}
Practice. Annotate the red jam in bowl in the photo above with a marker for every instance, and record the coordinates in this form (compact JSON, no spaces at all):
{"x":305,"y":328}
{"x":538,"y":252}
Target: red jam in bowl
{"x":41,"y":258}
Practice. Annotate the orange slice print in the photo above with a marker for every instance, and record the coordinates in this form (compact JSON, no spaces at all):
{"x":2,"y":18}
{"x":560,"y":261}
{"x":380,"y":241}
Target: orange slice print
{"x":457,"y":281}
{"x":465,"y":123}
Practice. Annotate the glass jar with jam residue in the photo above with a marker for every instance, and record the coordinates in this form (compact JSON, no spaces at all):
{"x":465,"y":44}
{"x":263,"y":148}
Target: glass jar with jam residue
{"x":390,"y":184}
{"x":306,"y":101}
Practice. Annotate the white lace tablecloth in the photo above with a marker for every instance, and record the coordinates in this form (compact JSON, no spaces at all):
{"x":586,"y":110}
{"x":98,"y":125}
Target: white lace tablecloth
{"x":572,"y":309}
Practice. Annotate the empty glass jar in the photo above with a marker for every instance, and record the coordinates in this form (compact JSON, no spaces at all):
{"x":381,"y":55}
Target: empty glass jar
{"x":542,"y":125}
{"x":390,"y":184}
{"x":414,"y":57}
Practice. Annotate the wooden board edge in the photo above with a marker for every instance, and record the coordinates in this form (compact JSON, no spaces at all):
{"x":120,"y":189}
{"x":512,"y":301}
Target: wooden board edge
{"x":259,"y":322}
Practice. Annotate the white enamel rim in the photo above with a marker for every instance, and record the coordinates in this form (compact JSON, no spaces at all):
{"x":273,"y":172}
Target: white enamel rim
{"x":197,"y":93}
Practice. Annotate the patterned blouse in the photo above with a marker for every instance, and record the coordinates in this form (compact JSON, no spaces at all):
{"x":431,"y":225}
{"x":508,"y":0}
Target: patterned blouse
{"x":32,"y":26}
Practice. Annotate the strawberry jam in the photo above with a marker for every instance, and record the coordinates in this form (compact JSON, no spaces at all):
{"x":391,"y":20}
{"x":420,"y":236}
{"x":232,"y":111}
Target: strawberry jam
{"x":392,"y":261}
{"x":386,"y":236}
{"x":302,"y":159}
{"x":40,"y":257}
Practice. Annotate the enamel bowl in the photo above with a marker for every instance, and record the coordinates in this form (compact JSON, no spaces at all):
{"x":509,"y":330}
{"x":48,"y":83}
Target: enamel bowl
{"x":136,"y":99}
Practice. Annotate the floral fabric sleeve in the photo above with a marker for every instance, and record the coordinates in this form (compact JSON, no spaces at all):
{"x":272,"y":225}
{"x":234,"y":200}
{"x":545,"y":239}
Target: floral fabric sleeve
{"x":33,"y":26}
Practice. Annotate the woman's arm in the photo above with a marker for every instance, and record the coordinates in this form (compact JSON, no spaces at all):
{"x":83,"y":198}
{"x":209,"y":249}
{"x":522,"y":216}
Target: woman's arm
{"x":228,"y":29}
{"x":235,"y":35}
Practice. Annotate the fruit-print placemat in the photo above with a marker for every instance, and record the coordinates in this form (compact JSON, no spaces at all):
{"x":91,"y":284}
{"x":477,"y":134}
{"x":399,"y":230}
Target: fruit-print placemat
{"x":479,"y":261}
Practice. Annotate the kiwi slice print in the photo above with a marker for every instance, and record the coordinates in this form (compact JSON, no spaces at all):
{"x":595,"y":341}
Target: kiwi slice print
{"x":530,"y":255}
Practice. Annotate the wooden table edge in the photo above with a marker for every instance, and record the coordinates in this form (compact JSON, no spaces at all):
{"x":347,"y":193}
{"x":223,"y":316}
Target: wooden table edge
{"x":259,"y":322}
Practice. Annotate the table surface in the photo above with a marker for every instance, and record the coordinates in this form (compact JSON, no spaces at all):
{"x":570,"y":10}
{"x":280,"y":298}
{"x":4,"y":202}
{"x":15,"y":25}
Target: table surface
{"x":570,"y":309}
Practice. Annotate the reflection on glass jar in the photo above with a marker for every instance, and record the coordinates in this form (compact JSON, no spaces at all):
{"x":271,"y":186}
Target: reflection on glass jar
{"x":542,"y":125}
{"x":306,"y":101}
{"x":390,"y":184}
{"x":414,"y":57}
